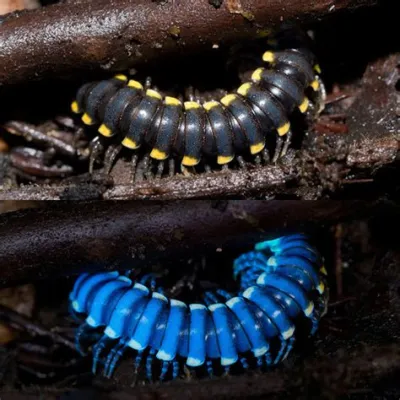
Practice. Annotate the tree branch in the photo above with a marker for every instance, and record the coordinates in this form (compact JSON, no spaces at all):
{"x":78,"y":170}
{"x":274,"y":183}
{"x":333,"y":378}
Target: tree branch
{"x":115,"y":35}
{"x":23,"y":323}
{"x":63,"y":240}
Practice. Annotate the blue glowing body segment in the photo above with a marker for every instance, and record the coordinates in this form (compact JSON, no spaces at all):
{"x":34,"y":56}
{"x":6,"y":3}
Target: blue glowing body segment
{"x":127,"y":312}
{"x":197,"y":335}
{"x":88,"y":288}
{"x":211,"y":339}
{"x":103,"y":303}
{"x":270,"y":307}
{"x":147,"y":323}
{"x":224,"y":332}
{"x":250,"y":324}
{"x":289,"y":287}
{"x":276,"y":245}
{"x":175,"y":324}
{"x":302,"y":263}
{"x":77,"y":286}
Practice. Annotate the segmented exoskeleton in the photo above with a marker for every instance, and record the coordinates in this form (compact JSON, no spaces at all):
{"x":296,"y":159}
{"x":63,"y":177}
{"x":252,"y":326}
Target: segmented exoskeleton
{"x":239,"y":123}
{"x":280,"y":281}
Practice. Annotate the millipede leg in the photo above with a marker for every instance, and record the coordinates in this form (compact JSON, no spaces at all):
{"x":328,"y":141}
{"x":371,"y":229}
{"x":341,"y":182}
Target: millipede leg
{"x":149,"y":364}
{"x":281,"y":351}
{"x":314,"y":321}
{"x":322,"y":304}
{"x":161,"y":291}
{"x":244,"y":363}
{"x":160,"y":169}
{"x":73,"y":314}
{"x":153,"y":284}
{"x":113,"y":357}
{"x":224,"y":294}
{"x":210,"y":368}
{"x":190,"y":93}
{"x":187,"y":171}
{"x":151,"y":277}
{"x":265,"y":155}
{"x":267,"y":358}
{"x":138,"y":361}
{"x":188,"y":372}
{"x":207,"y":300}
{"x":147,"y":83}
{"x":286,"y":144}
{"x":143,"y":280}
{"x":241,"y":162}
{"x":278,"y":149}
{"x":79,"y":135}
{"x":81,"y":332}
{"x":210,"y":298}
{"x":134,"y":161}
{"x":111,"y":154}
{"x":97,"y":350}
{"x":288,"y":347}
{"x":175,"y":369}
{"x":320,"y":96}
{"x":225,"y":167}
{"x":311,"y":113}
{"x":171,"y":167}
{"x":96,"y":148}
{"x":164,"y":369}
{"x":147,"y":167}
{"x":140,"y":170}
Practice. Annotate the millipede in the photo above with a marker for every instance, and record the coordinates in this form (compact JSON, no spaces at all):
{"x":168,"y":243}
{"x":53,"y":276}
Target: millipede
{"x":282,"y":292}
{"x":191,"y":130}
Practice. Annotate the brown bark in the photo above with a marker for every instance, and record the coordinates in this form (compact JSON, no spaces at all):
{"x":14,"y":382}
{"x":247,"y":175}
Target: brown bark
{"x":114,"y":35}
{"x":63,"y":240}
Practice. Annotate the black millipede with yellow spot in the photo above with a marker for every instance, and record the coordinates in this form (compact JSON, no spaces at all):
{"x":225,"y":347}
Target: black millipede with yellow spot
{"x":238,"y":123}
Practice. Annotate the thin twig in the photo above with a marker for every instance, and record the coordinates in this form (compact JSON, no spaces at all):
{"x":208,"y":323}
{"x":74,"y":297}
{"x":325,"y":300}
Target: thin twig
{"x":22,"y":323}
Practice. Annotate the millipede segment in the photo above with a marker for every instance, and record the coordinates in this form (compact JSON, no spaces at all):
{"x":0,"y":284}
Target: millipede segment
{"x":238,"y":123}
{"x":280,"y":282}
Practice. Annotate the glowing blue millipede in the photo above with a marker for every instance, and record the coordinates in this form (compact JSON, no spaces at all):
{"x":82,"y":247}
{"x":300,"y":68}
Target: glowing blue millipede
{"x":281,"y":281}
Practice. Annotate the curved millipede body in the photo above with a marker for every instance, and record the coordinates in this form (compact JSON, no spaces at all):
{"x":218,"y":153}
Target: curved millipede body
{"x":236,"y":124}
{"x":281,"y":282}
